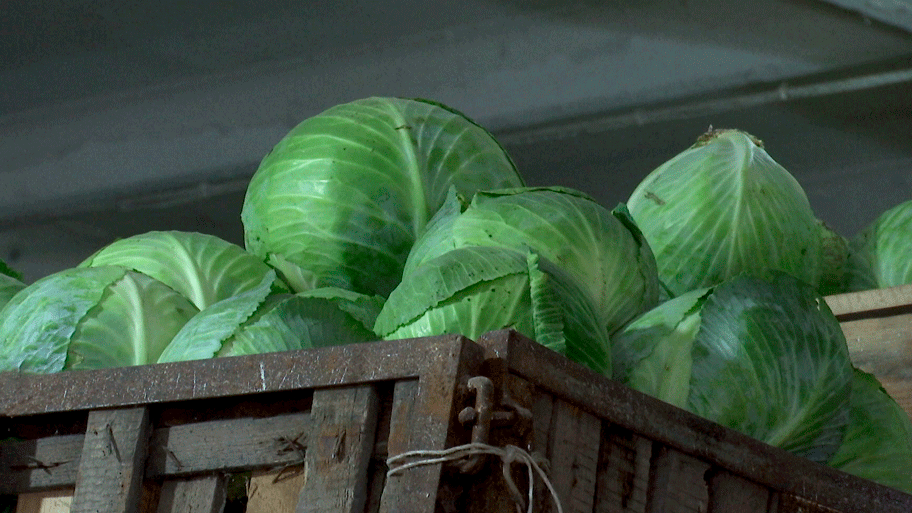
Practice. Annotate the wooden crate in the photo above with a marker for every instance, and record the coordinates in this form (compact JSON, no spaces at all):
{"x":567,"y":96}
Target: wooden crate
{"x":321,"y":424}
{"x":878,"y":328}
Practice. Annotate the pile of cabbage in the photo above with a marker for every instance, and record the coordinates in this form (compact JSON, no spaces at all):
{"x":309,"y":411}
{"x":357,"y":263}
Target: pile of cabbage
{"x":389,"y":218}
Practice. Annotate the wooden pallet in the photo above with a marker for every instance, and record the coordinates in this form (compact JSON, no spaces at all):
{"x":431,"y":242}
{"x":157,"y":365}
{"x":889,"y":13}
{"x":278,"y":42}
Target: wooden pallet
{"x":311,"y":431}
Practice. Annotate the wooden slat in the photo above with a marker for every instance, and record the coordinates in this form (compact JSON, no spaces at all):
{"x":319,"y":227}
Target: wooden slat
{"x":42,"y":464}
{"x":730,"y":493}
{"x":678,"y":484}
{"x":623,"y":478}
{"x":573,"y":452}
{"x":110,"y":472}
{"x":342,"y":437}
{"x":204,"y":494}
{"x":51,"y":501}
{"x":275,"y":491}
{"x":405,"y":397}
{"x":227,"y":445}
{"x":856,"y":303}
{"x":30,"y":394}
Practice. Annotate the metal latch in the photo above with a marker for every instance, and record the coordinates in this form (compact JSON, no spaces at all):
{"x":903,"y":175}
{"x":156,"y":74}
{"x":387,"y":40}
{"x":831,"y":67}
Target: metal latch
{"x":484,"y":416}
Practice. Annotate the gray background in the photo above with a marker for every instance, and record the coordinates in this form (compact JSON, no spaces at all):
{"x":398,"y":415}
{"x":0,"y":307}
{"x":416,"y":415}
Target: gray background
{"x":122,"y":117}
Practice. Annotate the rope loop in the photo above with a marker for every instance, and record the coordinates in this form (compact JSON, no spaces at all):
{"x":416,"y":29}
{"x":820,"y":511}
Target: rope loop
{"x":509,"y":455}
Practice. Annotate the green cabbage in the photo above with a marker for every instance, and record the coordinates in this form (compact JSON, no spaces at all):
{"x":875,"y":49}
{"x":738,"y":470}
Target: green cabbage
{"x":879,"y":253}
{"x":341,"y":199}
{"x":725,"y":207}
{"x":204,"y":268}
{"x":261,"y":321}
{"x":602,"y":250}
{"x":89,"y":318}
{"x":764,"y":356}
{"x":878,"y":440}
{"x":472,"y":290}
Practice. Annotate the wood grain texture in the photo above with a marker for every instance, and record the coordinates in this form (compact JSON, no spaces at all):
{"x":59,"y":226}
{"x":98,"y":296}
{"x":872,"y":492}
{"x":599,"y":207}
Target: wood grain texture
{"x":730,"y":493}
{"x":275,"y":491}
{"x":623,"y":477}
{"x":341,"y":441}
{"x":855,"y":303}
{"x":573,"y":452}
{"x":110,"y":472}
{"x":204,"y":494}
{"x":226,"y":445}
{"x":40,"y":464}
{"x":51,"y":501}
{"x":678,"y":483}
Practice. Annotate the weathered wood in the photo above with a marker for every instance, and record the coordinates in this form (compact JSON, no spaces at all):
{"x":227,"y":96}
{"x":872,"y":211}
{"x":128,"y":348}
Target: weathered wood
{"x":868,"y":302}
{"x":28,"y":394}
{"x":275,"y":491}
{"x":678,"y":484}
{"x":790,"y":503}
{"x":110,"y":472}
{"x":430,"y":422}
{"x":41,"y":464}
{"x":729,"y":493}
{"x":573,"y":452}
{"x":204,"y":494}
{"x":623,"y":478}
{"x":51,"y":501}
{"x":226,"y":445}
{"x":342,"y":438}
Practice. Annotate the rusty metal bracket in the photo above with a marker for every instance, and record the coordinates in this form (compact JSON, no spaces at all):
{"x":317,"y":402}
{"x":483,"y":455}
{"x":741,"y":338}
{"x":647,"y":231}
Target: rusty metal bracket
{"x":484,"y":416}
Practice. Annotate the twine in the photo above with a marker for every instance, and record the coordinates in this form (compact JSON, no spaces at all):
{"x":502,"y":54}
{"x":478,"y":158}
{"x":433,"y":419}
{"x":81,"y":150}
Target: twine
{"x":509,"y":454}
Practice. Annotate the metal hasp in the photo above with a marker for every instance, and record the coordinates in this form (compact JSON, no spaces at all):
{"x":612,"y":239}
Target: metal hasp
{"x":483,"y":417}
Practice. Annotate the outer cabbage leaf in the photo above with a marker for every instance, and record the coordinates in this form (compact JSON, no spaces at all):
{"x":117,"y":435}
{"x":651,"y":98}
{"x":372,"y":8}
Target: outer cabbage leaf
{"x":764,"y":356}
{"x":879,"y":253}
{"x":260,"y":321}
{"x":724,"y":207}
{"x":89,"y":318}
{"x":340,"y":200}
{"x":878,"y":440}
{"x":9,"y":287}
{"x":472,"y":290}
{"x":603,"y":250}
{"x":204,"y":268}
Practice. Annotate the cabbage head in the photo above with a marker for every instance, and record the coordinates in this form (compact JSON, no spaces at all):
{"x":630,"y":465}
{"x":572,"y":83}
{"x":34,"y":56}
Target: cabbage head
{"x":340,"y":199}
{"x":764,"y":356}
{"x":724,"y":207}
{"x":878,"y":441}
{"x":204,"y":268}
{"x":879,"y":254}
{"x":475,"y":289}
{"x":90,"y":318}
{"x":602,"y":250}
{"x":262,"y":320}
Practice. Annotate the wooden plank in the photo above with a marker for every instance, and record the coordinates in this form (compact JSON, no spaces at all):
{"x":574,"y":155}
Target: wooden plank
{"x":342,"y":437}
{"x":226,"y":445}
{"x":623,"y":478}
{"x":41,"y":464}
{"x":678,"y":484}
{"x":110,"y":471}
{"x":790,"y":503}
{"x":429,"y":423}
{"x":573,"y":452}
{"x":275,"y":491}
{"x":29,"y":394}
{"x":730,"y":493}
{"x":859,"y":303}
{"x":50,"y":501}
{"x":204,"y":494}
